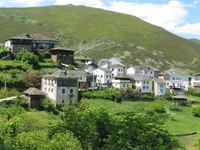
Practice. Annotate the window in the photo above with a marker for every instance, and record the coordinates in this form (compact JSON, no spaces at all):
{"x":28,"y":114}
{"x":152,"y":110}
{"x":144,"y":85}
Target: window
{"x":101,"y":75}
{"x":161,"y":85}
{"x":52,"y":82}
{"x":45,"y":89}
{"x":118,"y":69}
{"x":63,"y":90}
{"x":147,"y":87}
{"x":123,"y":85}
{"x":143,"y":87}
{"x":49,"y":81}
{"x":137,"y":81}
{"x":147,"y":82}
{"x":52,"y":90}
{"x":144,"y":82}
{"x":160,"y":90}
{"x":106,"y":76}
{"x":107,"y":81}
{"x":63,"y":101}
{"x":173,"y":78}
{"x":71,"y":91}
{"x":110,"y":76}
{"x":112,"y":69}
{"x":151,"y":72}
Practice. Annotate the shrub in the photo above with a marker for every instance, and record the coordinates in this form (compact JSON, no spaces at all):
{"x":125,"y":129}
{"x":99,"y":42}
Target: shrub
{"x":196,"y":111}
{"x":47,"y":105}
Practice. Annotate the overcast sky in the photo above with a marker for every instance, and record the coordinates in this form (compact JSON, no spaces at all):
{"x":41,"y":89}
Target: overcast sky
{"x":181,"y":17}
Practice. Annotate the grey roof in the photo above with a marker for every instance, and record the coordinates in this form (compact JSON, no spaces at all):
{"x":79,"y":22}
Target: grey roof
{"x":123,"y":76}
{"x":117,"y":65}
{"x":61,"y":48}
{"x":159,"y":80}
{"x":82,"y":58}
{"x":105,"y":69}
{"x":112,"y":61}
{"x":80,"y":73}
{"x":139,"y":77}
{"x":145,"y":68}
{"x":34,"y":91}
{"x":61,"y":74}
{"x":39,"y":37}
{"x":173,"y":72}
{"x":198,"y":74}
{"x":20,"y":38}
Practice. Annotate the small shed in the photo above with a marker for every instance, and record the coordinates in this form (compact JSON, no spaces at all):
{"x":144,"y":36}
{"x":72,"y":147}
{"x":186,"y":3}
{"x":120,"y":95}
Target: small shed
{"x":34,"y":97}
{"x":62,"y":55}
{"x":180,"y":99}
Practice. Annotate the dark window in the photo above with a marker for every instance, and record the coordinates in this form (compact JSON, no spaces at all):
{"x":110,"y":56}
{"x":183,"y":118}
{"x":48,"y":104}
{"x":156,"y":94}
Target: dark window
{"x":63,"y":90}
{"x":71,"y":91}
{"x":63,"y":101}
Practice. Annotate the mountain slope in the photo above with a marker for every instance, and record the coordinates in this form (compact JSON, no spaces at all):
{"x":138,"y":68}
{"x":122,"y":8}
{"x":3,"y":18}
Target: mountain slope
{"x":102,"y":34}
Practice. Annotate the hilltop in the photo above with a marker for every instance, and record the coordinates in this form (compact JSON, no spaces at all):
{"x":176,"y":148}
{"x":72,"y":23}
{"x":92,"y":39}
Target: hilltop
{"x":100,"y":34}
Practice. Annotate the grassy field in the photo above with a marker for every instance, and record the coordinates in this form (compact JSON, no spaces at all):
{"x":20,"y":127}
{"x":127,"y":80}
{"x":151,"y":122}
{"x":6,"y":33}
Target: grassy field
{"x":181,"y":120}
{"x":102,"y":34}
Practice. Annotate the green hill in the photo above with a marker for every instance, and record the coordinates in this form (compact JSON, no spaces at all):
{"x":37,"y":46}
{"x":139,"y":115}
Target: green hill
{"x":102,"y":34}
{"x":196,"y":41}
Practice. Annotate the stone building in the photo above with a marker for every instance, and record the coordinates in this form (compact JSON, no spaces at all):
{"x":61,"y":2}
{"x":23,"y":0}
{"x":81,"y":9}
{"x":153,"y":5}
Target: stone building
{"x":61,"y":86}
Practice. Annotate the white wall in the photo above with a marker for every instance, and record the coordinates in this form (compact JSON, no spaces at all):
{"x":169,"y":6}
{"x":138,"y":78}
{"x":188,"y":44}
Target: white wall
{"x":194,"y":80}
{"x":117,"y":71}
{"x":103,"y":77}
{"x":144,"y":86}
{"x":121,"y":83}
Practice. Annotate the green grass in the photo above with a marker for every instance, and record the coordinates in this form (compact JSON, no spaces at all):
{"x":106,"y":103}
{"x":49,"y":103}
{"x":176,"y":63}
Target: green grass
{"x":101,"y":34}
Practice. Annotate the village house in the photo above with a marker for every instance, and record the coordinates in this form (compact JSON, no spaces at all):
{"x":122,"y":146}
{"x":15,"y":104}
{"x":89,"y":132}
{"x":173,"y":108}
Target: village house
{"x":143,"y":70}
{"x":84,"y":59}
{"x":62,"y":55}
{"x":34,"y":97}
{"x":30,"y":42}
{"x":15,"y":44}
{"x":121,"y":81}
{"x":159,"y":87}
{"x":141,"y":82}
{"x":116,"y":66}
{"x":86,"y":80}
{"x":90,"y":67}
{"x":61,"y":86}
{"x":176,"y":81}
{"x":195,"y":81}
{"x":103,"y":76}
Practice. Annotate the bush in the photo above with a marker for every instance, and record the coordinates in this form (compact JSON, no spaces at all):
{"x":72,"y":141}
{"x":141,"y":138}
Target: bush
{"x":196,"y":111}
{"x":47,"y":105}
{"x":193,"y":92}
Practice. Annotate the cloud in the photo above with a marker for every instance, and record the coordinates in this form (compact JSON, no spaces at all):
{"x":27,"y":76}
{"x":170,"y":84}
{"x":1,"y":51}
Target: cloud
{"x":29,"y":3}
{"x":165,"y":15}
{"x":90,"y":3}
{"x":2,"y":4}
{"x":188,"y":29}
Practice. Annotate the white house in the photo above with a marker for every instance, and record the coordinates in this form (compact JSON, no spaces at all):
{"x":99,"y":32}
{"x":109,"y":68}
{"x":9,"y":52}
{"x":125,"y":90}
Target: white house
{"x":84,"y":59}
{"x":117,"y":66}
{"x":143,"y":70}
{"x":86,"y":80}
{"x":195,"y":81}
{"x":61,"y":86}
{"x":141,"y":82}
{"x":177,"y":81}
{"x":103,"y":76}
{"x":159,"y":87}
{"x":122,"y":81}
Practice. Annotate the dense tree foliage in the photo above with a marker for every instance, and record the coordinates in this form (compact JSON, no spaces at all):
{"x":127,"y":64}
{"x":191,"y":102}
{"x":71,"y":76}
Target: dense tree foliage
{"x":28,"y":57}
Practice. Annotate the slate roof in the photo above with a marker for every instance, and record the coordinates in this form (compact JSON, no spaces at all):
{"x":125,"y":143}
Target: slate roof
{"x":123,"y":76}
{"x":105,"y":69}
{"x":139,"y":77}
{"x":61,"y":48}
{"x":34,"y":91}
{"x":80,"y":73}
{"x":61,"y":74}
{"x":173,"y":72}
{"x":145,"y":68}
{"x":159,"y":80}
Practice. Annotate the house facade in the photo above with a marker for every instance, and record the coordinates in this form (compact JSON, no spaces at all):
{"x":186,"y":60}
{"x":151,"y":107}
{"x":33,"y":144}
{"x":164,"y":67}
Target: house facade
{"x":143,"y":70}
{"x":103,"y":76}
{"x":30,"y":42}
{"x":61,"y":86}
{"x":195,"y":81}
{"x":176,"y":81}
{"x":141,"y":82}
{"x":159,"y":87}
{"x":122,"y":81}
{"x":62,"y":55}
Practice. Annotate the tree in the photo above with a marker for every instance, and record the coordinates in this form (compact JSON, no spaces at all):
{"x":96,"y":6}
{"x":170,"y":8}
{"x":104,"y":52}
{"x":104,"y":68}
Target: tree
{"x":32,"y":80}
{"x":28,"y":57}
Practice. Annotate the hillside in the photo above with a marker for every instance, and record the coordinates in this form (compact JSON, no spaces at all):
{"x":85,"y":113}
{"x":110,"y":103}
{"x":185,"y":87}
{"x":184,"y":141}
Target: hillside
{"x":102,"y":34}
{"x":196,"y":41}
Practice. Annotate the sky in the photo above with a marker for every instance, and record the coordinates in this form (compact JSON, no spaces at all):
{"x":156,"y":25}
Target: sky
{"x":181,"y":17}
